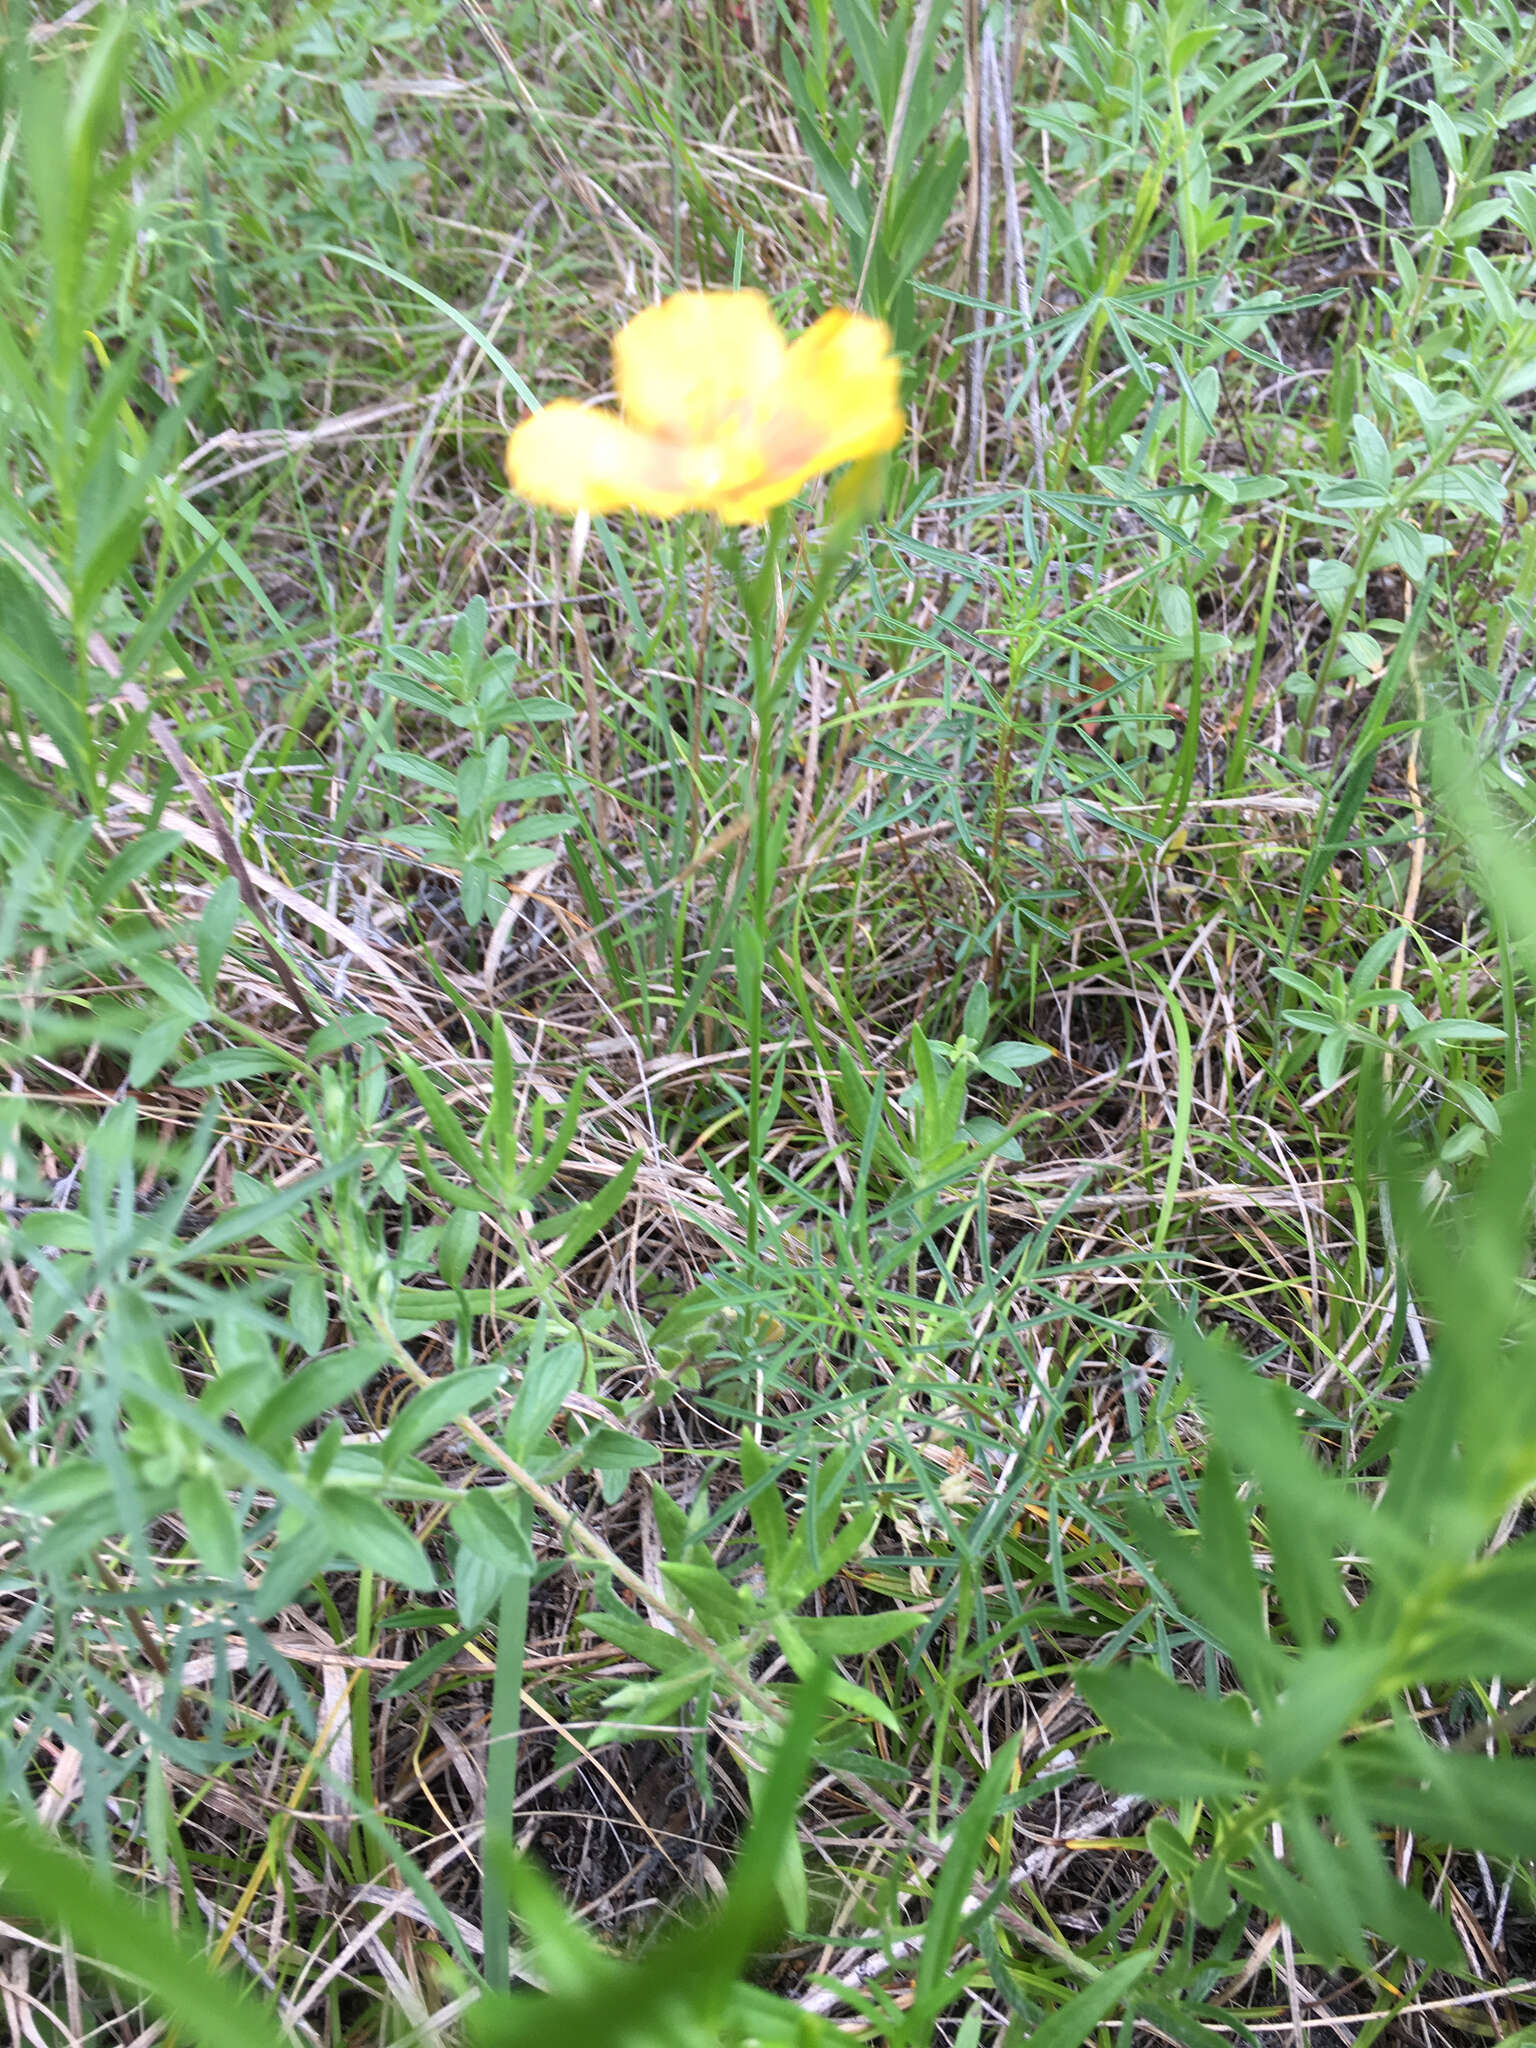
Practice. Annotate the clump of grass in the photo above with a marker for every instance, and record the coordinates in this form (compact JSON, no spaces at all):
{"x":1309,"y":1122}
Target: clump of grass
{"x":927,"y":1344}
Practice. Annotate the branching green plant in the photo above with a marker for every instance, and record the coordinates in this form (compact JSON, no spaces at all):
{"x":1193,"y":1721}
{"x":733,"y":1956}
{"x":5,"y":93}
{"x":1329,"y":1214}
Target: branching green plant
{"x":1345,"y":1595}
{"x":1282,"y":1786}
{"x":473,"y":691}
{"x":891,"y":201}
{"x":1342,"y":1019}
{"x":691,"y":1989}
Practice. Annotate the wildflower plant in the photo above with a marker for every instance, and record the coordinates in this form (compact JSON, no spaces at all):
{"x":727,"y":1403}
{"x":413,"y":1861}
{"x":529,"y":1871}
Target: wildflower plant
{"x":720,"y":414}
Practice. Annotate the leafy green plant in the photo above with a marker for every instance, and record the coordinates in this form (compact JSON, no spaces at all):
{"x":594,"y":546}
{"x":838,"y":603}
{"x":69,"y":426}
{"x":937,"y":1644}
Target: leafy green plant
{"x":946,"y":1073}
{"x":81,"y":964}
{"x":474,"y":692}
{"x":1337,"y":1597}
{"x":1340,"y":1017}
{"x":926,"y":1139}
{"x":891,"y":206}
{"x":689,"y":1990}
{"x":742,"y":1618}
{"x":506,"y":1173}
{"x":68,"y":415}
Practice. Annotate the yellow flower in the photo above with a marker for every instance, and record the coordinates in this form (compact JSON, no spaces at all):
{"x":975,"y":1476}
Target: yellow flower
{"x":720,"y":413}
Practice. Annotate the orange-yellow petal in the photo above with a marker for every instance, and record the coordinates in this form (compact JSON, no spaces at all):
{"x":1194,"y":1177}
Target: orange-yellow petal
{"x":842,"y":373}
{"x":578,"y":460}
{"x":836,"y":400}
{"x":698,"y":365}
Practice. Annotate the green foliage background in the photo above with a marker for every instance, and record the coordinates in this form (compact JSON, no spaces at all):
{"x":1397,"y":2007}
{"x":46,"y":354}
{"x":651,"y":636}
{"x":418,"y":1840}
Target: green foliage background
{"x":898,"y":1162}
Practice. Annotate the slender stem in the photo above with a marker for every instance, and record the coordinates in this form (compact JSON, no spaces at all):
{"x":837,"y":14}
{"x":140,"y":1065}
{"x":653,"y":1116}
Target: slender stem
{"x":700,"y":685}
{"x":767,"y":743}
{"x":501,"y":1764}
{"x":775,"y":662}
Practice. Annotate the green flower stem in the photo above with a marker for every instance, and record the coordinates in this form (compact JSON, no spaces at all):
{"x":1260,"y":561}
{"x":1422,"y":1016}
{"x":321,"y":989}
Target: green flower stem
{"x":775,"y":662}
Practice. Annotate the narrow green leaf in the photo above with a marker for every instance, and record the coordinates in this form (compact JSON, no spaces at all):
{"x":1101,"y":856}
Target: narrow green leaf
{"x":315,"y":1389}
{"x":110,"y":1926}
{"x":364,"y":1530}
{"x":1071,"y":2024}
{"x":39,"y":674}
{"x":575,"y":1227}
{"x":963,"y":1853}
{"x":432,"y":1408}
